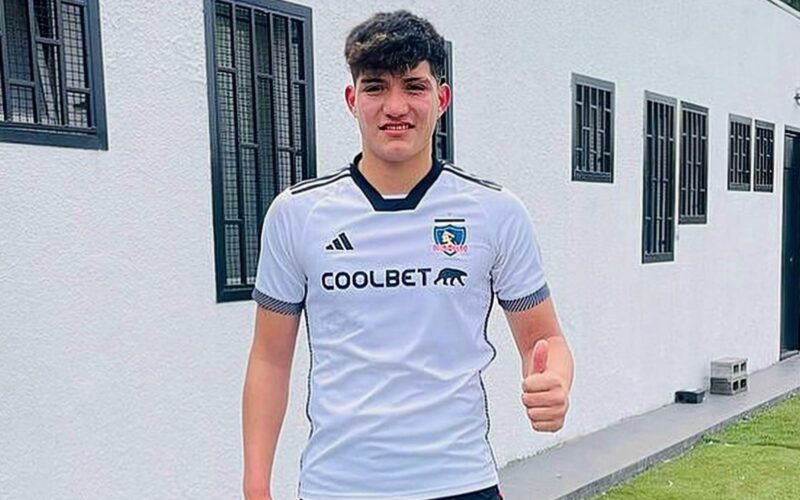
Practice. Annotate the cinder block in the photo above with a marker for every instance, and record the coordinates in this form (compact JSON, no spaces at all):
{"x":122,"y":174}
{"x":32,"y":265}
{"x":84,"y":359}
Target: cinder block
{"x":729,"y":368}
{"x":728,"y":386}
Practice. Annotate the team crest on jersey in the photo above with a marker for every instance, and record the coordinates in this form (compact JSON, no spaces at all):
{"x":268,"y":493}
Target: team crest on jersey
{"x":450,"y":239}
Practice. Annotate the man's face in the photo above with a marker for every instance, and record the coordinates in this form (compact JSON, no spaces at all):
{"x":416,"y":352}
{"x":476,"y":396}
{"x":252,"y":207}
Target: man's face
{"x":397,"y":114}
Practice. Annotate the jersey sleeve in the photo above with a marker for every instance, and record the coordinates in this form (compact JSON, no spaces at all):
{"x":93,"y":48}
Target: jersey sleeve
{"x":517,"y":275}
{"x":280,"y":280}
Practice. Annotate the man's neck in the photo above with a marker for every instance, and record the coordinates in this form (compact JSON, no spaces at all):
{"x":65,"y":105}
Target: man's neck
{"x":394,"y":178}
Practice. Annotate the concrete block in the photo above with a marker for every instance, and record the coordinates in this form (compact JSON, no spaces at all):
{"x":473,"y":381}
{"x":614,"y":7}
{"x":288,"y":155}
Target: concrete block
{"x":729,"y":368}
{"x":728,"y":386}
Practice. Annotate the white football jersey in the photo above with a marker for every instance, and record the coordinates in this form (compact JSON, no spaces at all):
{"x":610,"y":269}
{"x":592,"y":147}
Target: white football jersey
{"x":397,"y":294}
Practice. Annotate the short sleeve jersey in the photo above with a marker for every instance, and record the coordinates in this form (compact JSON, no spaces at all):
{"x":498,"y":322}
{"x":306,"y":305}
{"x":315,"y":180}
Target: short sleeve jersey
{"x":397,"y":294}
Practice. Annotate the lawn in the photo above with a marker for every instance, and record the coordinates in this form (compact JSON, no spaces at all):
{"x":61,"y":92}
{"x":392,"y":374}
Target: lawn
{"x":757,"y":458}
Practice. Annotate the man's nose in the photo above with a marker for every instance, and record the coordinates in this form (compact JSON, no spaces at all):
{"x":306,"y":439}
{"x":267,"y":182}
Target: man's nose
{"x":395,"y":103}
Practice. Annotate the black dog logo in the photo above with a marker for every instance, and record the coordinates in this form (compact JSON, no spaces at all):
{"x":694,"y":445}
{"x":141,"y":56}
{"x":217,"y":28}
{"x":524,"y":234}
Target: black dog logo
{"x":449,"y":276}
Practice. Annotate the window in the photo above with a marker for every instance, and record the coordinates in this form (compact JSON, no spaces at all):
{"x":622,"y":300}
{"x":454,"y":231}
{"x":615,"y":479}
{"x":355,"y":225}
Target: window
{"x":694,"y":164}
{"x":262,"y":124}
{"x":443,"y":137}
{"x":765,"y":148}
{"x":592,"y":129}
{"x":658,"y":226}
{"x":51,"y":77}
{"x":739,"y":154}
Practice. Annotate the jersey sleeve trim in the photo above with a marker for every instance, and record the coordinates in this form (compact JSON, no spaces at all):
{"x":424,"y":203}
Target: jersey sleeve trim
{"x":275,"y":305}
{"x":527,"y":302}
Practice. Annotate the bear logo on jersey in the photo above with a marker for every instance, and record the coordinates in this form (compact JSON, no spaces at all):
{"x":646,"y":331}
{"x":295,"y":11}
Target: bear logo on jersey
{"x":449,"y":277}
{"x":450,"y":239}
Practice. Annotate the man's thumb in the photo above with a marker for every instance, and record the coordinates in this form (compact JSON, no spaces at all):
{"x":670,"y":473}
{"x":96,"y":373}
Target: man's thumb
{"x":540,"y":352}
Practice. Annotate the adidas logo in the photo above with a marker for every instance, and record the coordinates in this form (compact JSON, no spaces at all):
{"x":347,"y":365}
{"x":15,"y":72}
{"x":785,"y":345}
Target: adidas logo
{"x":340,"y":243}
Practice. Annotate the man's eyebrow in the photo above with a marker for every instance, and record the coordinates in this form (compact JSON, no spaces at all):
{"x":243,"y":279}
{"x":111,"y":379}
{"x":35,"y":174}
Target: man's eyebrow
{"x":415,"y":79}
{"x":374,"y":79}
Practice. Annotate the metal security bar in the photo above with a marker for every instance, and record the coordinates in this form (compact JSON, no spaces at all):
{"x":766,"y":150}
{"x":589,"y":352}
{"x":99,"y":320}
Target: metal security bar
{"x":443,"y":144}
{"x":739,"y":154}
{"x":592,"y":129}
{"x":658,"y":227}
{"x":694,"y":164}
{"x":262,"y":124}
{"x":764,"y":157}
{"x":3,"y":64}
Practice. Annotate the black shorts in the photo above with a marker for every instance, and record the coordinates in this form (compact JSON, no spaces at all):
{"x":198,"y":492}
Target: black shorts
{"x":491,"y":493}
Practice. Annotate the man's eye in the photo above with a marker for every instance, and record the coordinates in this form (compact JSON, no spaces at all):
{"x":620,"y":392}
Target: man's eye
{"x":372,"y":88}
{"x":416,"y":88}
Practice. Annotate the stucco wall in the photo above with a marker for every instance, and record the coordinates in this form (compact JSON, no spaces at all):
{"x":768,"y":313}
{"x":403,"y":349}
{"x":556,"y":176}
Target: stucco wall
{"x":120,"y":375}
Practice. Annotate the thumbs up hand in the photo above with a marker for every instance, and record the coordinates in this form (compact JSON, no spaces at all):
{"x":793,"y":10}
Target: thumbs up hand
{"x":543,"y":392}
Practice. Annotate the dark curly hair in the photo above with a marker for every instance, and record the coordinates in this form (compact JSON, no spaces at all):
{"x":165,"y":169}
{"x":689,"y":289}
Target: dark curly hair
{"x":394,"y":42}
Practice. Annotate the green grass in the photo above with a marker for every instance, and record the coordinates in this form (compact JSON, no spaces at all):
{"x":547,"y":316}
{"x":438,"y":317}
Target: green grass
{"x":758,"y":458}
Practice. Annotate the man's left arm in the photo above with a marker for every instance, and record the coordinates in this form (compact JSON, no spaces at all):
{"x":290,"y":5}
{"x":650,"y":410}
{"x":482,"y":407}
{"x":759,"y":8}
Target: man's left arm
{"x":547,"y":366}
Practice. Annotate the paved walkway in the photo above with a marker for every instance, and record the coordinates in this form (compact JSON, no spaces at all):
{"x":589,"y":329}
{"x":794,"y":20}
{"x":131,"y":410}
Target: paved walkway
{"x":590,"y":464}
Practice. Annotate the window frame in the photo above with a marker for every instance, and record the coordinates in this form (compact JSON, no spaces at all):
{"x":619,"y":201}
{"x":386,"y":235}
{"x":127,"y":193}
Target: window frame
{"x":447,"y":117}
{"x":96,"y":137}
{"x":770,"y":166}
{"x":581,"y":174}
{"x":684,"y":218}
{"x":667,"y":256}
{"x":743,"y":120}
{"x":242,"y":292}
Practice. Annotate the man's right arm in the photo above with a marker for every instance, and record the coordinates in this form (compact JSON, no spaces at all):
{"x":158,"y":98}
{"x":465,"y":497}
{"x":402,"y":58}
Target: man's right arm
{"x":266,"y":391}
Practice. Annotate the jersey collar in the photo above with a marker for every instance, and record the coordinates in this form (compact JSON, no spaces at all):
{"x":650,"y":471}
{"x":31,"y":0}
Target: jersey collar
{"x":410,"y":202}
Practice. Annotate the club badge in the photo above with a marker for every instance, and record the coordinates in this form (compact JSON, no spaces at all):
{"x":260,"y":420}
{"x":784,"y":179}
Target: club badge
{"x":450,"y":239}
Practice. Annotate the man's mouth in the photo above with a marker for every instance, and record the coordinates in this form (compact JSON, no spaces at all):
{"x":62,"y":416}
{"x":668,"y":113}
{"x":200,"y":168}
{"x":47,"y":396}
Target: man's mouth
{"x":396,"y":126}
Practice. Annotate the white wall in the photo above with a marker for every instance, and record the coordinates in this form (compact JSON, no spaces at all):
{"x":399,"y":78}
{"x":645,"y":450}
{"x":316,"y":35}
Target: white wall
{"x":120,"y":375}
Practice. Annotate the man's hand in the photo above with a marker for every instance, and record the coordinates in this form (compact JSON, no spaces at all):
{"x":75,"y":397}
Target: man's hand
{"x":544,"y":394}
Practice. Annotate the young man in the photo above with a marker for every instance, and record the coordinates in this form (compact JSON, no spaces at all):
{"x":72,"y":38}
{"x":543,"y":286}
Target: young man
{"x":396,"y":259}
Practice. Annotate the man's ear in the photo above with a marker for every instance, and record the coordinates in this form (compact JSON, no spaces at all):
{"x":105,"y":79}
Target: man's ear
{"x":445,"y":96}
{"x":350,"y":98}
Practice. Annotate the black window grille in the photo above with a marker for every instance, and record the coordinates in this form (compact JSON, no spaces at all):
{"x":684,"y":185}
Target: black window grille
{"x":764,"y":157}
{"x":658,"y":228}
{"x":51,"y":77}
{"x":443,"y":145}
{"x":262,"y":124}
{"x":694,"y":164}
{"x":739,"y":154}
{"x":592,"y":129}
